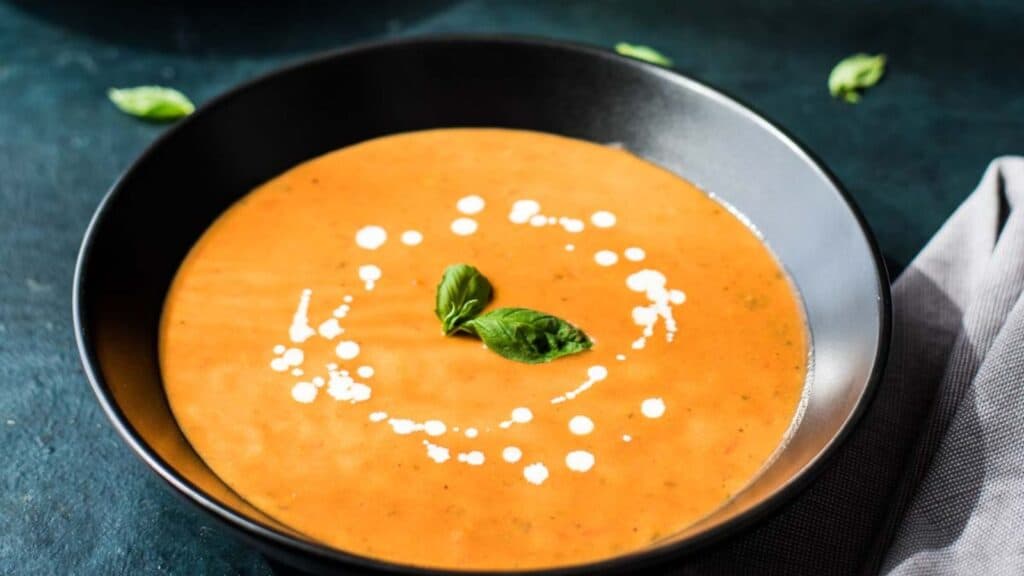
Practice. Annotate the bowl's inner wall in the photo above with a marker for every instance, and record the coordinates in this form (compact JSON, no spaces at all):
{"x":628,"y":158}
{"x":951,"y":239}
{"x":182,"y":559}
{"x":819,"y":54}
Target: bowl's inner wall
{"x":181,"y":185}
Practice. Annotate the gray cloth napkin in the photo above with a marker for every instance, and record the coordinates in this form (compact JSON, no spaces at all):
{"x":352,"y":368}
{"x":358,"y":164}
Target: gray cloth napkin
{"x":932,"y":480}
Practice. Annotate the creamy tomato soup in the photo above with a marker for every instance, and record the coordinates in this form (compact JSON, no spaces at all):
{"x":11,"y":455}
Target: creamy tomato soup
{"x":303,"y":359}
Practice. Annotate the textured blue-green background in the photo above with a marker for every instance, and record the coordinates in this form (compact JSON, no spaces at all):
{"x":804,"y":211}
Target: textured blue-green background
{"x":73,"y":500}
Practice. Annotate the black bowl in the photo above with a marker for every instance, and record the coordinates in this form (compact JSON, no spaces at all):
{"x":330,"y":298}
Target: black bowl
{"x":158,"y":209}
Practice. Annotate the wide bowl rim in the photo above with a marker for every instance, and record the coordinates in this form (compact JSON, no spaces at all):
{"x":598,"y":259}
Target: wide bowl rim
{"x":265,"y":534}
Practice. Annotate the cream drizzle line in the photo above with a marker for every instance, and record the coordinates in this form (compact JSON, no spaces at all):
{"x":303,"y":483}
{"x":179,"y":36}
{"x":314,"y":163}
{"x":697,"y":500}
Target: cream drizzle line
{"x":595,"y":373}
{"x":524,"y":211}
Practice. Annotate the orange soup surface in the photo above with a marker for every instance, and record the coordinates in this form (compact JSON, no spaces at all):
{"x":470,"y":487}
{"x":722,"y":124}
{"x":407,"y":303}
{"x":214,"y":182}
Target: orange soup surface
{"x":303,"y":360}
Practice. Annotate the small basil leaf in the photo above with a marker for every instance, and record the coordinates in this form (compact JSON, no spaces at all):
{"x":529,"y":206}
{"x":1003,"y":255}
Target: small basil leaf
{"x":854,"y":74}
{"x":645,"y":53}
{"x":151,"y":102}
{"x":527,"y":335}
{"x":462,"y":294}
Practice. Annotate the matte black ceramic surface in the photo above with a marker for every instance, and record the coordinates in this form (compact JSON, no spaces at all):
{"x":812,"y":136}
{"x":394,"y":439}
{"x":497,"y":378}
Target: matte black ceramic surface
{"x":152,"y":216}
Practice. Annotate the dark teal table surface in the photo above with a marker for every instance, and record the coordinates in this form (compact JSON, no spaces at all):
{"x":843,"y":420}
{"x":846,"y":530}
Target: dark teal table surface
{"x":73,"y":500}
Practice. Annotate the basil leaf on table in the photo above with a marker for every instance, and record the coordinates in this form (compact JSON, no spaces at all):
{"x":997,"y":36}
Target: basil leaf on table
{"x":526,"y":335}
{"x":462,"y":294}
{"x":855,"y":73}
{"x":645,"y":53}
{"x":151,"y":102}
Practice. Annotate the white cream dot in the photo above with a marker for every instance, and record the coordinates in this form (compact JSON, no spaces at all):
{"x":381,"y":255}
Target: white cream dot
{"x":434,"y":427}
{"x":279,"y":365}
{"x":463,"y":226}
{"x":646,"y":281}
{"x":522,"y":415}
{"x":620,"y":357}
{"x":676,"y":296}
{"x":369,"y":274}
{"x":581,"y":425}
{"x":279,"y":349}
{"x":603,"y":219}
{"x":552,"y":220}
{"x":511,"y":454}
{"x":371,"y":237}
{"x":343,"y":388}
{"x":523,"y":210}
{"x":606,"y":258}
{"x":470,"y":204}
{"x":531,"y":206}
{"x":471,"y":433}
{"x":653,"y":407}
{"x":365,"y":371}
{"x":297,"y":372}
{"x":474,"y":458}
{"x":378,"y":416}
{"x":538,"y":220}
{"x":304,"y":392}
{"x":572,"y":225}
{"x":293,"y":356}
{"x":627,"y":438}
{"x":579,"y":460}
{"x":330,"y":329}
{"x":569,"y":247}
{"x":645,"y":315}
{"x":597,"y":373}
{"x":347,"y":298}
{"x":347,"y":349}
{"x":359,"y":393}
{"x":403,"y":426}
{"x":438,"y":454}
{"x":634,"y":254}
{"x":535,"y":473}
{"x":412,"y":238}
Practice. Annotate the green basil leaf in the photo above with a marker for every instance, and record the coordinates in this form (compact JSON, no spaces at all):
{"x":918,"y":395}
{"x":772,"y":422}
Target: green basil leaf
{"x":645,"y":53}
{"x":854,"y":74}
{"x":151,"y":102}
{"x":527,"y":335}
{"x":462,"y":294}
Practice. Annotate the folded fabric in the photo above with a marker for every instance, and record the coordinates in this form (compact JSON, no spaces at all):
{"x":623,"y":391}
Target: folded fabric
{"x":932,"y":479}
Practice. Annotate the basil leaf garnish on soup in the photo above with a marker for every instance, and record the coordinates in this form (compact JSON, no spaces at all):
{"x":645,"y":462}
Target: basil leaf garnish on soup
{"x":462,"y":294}
{"x":526,"y":335}
{"x":151,"y":102}
{"x":518,"y":334}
